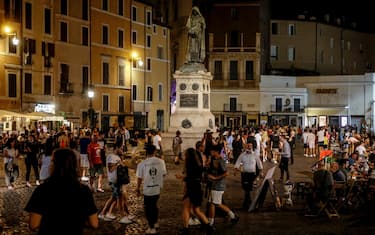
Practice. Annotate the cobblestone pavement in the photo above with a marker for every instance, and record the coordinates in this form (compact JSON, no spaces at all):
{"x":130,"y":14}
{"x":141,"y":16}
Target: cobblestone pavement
{"x":266,"y":220}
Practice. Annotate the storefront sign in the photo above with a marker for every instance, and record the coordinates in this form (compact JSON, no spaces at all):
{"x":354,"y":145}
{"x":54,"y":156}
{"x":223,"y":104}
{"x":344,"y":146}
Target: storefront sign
{"x":322,"y":121}
{"x":45,"y":108}
{"x":326,"y":91}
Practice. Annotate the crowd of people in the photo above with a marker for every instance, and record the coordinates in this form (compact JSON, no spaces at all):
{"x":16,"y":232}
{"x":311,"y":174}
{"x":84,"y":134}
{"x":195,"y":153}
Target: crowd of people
{"x":203,"y":175}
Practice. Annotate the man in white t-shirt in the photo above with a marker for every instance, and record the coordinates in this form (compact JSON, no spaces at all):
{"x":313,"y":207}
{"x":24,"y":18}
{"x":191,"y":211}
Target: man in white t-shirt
{"x":361,"y":149}
{"x":311,"y":143}
{"x":258,"y":139}
{"x":151,"y":172}
{"x":156,"y":141}
{"x":320,"y":136}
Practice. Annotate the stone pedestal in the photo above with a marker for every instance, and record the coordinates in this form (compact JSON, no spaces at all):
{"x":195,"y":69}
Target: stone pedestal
{"x":192,"y":114}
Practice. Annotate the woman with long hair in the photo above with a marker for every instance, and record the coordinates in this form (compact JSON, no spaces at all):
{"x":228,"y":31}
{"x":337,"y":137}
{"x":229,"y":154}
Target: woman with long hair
{"x":11,"y":155}
{"x":62,"y":205}
{"x":193,"y":194}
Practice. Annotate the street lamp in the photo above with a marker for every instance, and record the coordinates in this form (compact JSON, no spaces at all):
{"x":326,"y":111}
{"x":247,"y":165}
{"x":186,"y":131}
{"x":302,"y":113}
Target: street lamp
{"x":136,"y":63}
{"x":91,"y":111}
{"x":8,"y":31}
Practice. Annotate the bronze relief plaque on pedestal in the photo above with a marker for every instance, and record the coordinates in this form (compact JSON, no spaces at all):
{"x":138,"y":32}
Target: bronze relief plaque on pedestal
{"x":189,"y":101}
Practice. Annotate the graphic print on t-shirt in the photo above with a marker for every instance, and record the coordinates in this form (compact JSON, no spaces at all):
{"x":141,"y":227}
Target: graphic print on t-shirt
{"x":153,"y":172}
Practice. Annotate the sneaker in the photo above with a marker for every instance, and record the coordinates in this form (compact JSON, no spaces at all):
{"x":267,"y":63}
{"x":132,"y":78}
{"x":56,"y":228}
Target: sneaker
{"x":85,"y":179}
{"x":101,"y":216}
{"x":193,"y":221}
{"x":109,"y":217}
{"x":151,"y":231}
{"x":156,"y":225}
{"x":28,"y":184}
{"x":235,"y":219}
{"x":37,"y":182}
{"x":125,"y":220}
{"x":10,"y":187}
{"x":100,"y":190}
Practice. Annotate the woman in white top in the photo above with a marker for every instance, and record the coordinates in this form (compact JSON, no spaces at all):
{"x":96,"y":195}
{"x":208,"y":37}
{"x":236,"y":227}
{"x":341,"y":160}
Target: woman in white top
{"x":11,"y":156}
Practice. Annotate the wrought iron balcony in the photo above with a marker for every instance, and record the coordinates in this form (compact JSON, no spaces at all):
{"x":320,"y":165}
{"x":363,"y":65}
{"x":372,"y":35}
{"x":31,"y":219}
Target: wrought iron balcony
{"x":287,"y":109}
{"x":232,"y":108}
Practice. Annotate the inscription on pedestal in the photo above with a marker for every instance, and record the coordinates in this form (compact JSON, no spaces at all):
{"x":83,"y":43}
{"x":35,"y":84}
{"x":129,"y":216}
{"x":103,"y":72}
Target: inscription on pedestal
{"x":189,"y":101}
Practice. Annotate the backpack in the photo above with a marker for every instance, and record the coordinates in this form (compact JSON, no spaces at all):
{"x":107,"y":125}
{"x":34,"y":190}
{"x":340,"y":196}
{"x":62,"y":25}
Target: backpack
{"x":122,"y":175}
{"x":176,"y":144}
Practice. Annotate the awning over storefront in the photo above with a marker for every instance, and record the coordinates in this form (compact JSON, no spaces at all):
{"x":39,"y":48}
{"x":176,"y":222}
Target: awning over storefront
{"x":41,"y":116}
{"x":6,"y":113}
{"x":326,"y":110}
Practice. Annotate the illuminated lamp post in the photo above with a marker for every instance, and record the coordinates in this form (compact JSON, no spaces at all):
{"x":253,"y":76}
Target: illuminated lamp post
{"x":91,"y":111}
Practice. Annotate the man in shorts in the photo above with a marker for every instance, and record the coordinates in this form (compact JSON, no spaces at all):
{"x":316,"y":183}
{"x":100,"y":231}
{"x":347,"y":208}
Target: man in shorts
{"x":96,"y":164}
{"x":305,"y":144}
{"x":216,"y":174}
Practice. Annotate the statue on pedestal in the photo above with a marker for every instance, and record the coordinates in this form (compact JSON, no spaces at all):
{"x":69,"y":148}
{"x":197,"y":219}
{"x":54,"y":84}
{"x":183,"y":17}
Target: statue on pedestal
{"x":196,"y":49}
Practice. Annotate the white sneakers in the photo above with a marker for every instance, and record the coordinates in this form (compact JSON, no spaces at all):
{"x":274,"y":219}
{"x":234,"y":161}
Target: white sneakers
{"x":125,"y":220}
{"x":110,"y":217}
{"x":193,"y":221}
{"x":28,"y":184}
{"x":85,"y":179}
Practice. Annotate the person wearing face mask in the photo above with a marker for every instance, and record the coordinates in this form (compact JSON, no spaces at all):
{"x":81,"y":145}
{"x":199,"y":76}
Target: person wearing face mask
{"x":250,"y":161}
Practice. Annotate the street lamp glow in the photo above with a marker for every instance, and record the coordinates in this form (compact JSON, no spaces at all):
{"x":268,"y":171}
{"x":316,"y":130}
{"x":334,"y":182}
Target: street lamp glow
{"x":15,"y":41}
{"x":7,"y":29}
{"x":140,"y":63}
{"x":134,"y":55}
{"x":90,"y":94}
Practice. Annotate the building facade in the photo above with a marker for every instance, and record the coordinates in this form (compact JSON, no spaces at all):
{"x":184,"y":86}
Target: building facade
{"x":306,"y":101}
{"x":10,"y":55}
{"x":66,"y":48}
{"x":281,"y":101}
{"x":151,"y":69}
{"x":234,"y":59}
{"x":309,"y":46}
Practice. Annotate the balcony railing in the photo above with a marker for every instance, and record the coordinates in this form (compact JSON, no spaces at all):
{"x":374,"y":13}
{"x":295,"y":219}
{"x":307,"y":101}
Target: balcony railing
{"x":287,"y":109}
{"x":233,"y":108}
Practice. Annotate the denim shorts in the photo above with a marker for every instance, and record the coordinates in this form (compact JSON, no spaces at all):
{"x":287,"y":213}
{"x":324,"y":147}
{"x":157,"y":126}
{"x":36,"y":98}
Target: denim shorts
{"x":116,"y":190}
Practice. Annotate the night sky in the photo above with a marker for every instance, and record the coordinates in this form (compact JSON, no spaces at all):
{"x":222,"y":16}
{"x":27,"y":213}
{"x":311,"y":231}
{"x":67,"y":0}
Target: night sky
{"x":358,"y":11}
